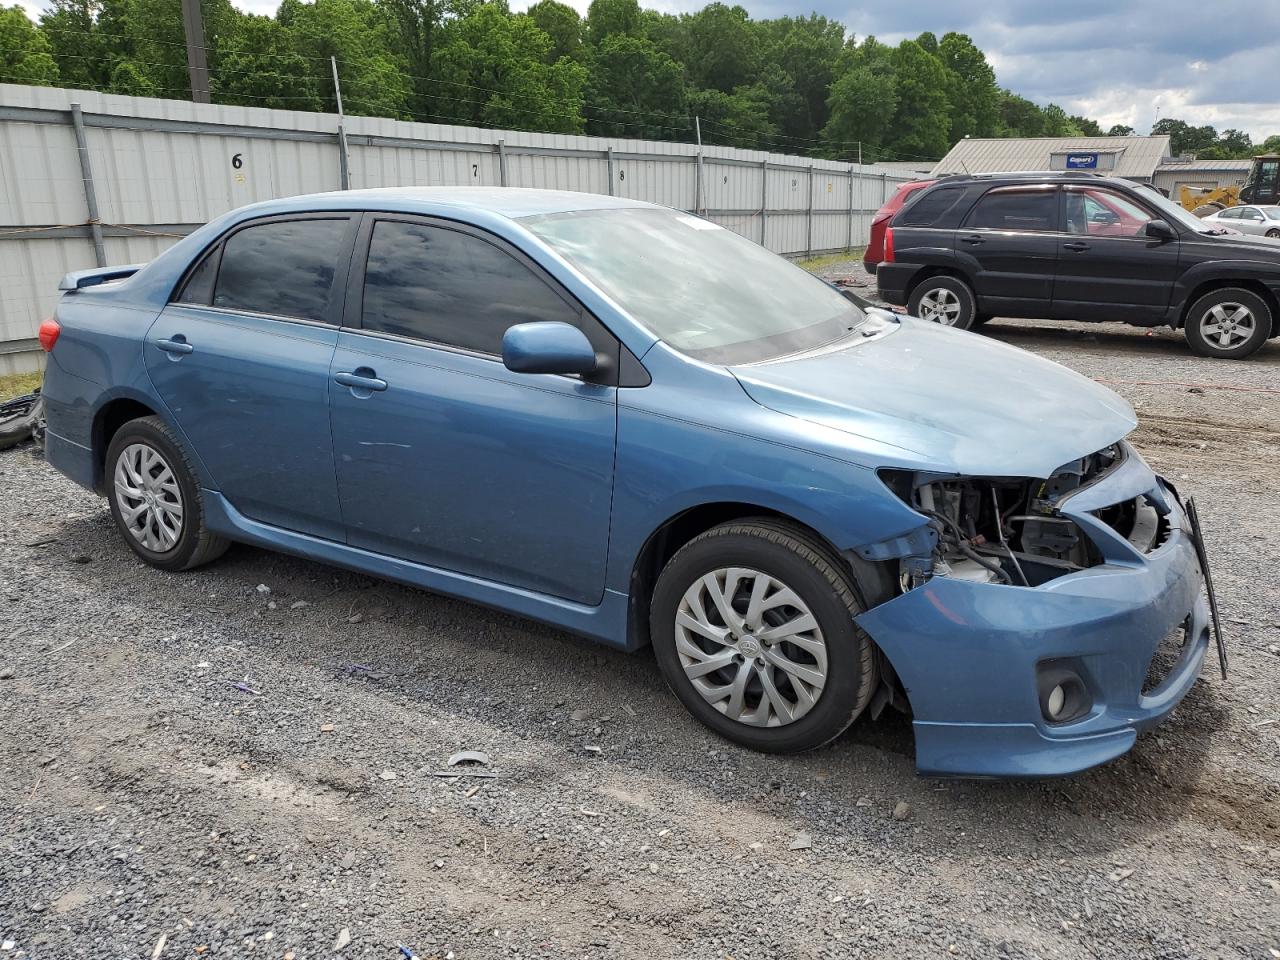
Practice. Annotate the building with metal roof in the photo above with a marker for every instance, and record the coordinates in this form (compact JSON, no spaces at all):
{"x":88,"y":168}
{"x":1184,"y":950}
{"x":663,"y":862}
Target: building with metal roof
{"x":1134,"y":158}
{"x":1179,"y":172}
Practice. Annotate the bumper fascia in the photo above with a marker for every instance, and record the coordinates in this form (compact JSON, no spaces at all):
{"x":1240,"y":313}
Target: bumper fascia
{"x":892,"y":280}
{"x":968,"y":653}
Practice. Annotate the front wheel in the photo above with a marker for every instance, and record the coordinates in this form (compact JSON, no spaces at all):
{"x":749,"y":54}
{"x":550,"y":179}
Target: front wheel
{"x":752,"y":626}
{"x":944,"y":300}
{"x":1274,"y":234}
{"x":155,"y":499}
{"x":1230,"y":323}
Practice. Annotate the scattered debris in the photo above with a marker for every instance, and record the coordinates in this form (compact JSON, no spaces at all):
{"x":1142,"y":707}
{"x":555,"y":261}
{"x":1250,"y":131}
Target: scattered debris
{"x":6,"y":673}
{"x":864,"y":802}
{"x":473,"y":791}
{"x":802,"y":841}
{"x":653,"y":868}
{"x":626,"y":708}
{"x":757,"y":845}
{"x":344,"y":937}
{"x":298,"y":605}
{"x":1119,"y":876}
{"x":592,"y":748}
{"x":580,"y":715}
{"x":82,"y":558}
{"x":349,"y":860}
{"x":589,"y":813}
{"x":468,"y":756}
{"x":464,"y":772}
{"x":327,"y":728}
{"x":902,"y":810}
{"x":387,"y":775}
{"x":243,"y":687}
{"x":406,"y":952}
{"x":263,"y":588}
{"x":159,"y":947}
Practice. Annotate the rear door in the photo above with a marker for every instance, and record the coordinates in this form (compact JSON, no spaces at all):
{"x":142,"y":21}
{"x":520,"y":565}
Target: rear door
{"x":1013,"y":235}
{"x":1251,"y":221}
{"x":241,"y":357}
{"x":1109,"y":269}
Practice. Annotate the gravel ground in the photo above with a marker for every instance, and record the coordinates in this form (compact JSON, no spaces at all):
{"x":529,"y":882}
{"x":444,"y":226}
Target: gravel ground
{"x":149,"y":808}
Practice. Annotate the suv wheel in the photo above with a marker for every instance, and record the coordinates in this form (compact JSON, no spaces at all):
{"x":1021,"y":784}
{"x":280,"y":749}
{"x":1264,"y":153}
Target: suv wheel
{"x":752,"y":627}
{"x":944,"y":300}
{"x":1230,"y":323}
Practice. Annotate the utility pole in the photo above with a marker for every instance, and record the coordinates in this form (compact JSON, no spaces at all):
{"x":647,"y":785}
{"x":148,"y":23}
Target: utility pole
{"x":197,"y":65}
{"x":344,"y":160}
{"x":697,"y":191}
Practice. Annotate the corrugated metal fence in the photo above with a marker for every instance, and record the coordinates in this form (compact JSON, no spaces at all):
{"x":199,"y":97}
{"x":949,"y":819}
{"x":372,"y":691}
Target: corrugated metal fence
{"x":89,"y":179}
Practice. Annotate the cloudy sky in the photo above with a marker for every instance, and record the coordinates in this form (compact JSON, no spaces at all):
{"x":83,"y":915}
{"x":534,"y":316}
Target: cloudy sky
{"x":1117,"y":61}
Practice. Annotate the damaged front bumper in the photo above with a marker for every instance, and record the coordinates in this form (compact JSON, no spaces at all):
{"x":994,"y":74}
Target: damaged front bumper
{"x":974,"y":657}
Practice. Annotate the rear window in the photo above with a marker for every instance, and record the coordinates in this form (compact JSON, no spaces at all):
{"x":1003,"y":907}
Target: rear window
{"x":1017,"y":209}
{"x":284,"y":268}
{"x":930,"y":207}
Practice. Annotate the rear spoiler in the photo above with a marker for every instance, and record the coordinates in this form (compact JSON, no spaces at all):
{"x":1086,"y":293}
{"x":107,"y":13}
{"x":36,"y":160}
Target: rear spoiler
{"x":79,"y":279}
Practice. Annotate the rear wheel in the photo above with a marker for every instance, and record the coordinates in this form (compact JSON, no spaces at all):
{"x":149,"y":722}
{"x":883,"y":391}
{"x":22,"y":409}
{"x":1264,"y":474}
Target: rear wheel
{"x":155,"y":499}
{"x":944,"y":300}
{"x":752,"y":626}
{"x":1274,"y":234}
{"x":1230,"y":323}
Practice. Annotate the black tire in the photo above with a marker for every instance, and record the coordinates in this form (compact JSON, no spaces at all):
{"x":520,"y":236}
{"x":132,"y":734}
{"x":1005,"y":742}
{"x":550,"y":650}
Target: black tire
{"x":194,"y":545}
{"x":1274,"y":234}
{"x":823,"y":583}
{"x":1201,"y":330}
{"x":948,"y":290}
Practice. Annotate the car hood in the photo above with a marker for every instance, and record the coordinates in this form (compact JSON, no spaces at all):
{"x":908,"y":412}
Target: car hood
{"x":952,"y":401}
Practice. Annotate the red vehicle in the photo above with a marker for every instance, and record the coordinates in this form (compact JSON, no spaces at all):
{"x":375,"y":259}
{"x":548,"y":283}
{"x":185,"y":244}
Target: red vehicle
{"x":875,"y":247}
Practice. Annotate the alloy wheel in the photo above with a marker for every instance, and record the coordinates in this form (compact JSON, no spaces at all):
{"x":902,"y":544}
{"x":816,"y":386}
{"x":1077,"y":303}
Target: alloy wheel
{"x":1227,"y":325}
{"x":149,"y":497}
{"x":751,"y":647}
{"x":941,"y":306}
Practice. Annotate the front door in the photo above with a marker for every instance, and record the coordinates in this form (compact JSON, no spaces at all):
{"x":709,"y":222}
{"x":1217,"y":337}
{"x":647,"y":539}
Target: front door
{"x":241,"y":357}
{"x":1109,"y":269}
{"x":1012,"y":233}
{"x":444,"y":456}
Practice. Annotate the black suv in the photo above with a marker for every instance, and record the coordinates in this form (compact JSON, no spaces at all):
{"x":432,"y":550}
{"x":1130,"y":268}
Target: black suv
{"x":1078,"y":247}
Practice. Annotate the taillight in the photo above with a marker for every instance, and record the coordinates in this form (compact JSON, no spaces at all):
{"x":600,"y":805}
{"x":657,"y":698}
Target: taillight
{"x":49,"y":331}
{"x":888,"y":246}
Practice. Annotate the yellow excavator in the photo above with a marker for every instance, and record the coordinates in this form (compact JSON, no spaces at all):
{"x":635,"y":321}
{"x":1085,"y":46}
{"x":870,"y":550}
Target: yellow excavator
{"x":1261,"y":186}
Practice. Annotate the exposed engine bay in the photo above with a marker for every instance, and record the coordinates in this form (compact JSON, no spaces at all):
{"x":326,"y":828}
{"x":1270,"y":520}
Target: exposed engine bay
{"x":1010,"y":531}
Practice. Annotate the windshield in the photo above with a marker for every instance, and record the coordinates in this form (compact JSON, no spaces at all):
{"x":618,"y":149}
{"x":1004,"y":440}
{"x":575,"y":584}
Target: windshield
{"x":1174,"y":212}
{"x":701,"y":288}
{"x":1272,"y":213}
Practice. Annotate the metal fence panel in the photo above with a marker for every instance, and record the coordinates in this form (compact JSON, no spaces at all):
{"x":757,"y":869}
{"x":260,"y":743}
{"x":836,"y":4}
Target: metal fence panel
{"x":162,"y":167}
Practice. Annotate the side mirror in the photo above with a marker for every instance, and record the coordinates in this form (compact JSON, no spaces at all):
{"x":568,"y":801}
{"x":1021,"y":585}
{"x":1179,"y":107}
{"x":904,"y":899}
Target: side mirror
{"x":1160,"y":230}
{"x":547,"y":346}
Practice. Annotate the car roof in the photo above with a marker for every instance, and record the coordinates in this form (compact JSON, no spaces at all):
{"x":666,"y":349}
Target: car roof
{"x":510,"y":202}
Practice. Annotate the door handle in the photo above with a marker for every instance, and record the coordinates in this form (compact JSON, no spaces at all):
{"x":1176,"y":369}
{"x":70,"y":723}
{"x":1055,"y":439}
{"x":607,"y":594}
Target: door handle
{"x":361,"y":379}
{"x":1076,"y":245}
{"x":973,"y":240}
{"x":175,"y":345}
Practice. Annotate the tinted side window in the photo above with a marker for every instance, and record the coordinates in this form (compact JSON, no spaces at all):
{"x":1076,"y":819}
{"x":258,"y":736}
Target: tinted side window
{"x":199,"y":285}
{"x":283,"y":268}
{"x":436,"y":284}
{"x":1231,"y":214}
{"x":1017,"y":210}
{"x":930,"y":208}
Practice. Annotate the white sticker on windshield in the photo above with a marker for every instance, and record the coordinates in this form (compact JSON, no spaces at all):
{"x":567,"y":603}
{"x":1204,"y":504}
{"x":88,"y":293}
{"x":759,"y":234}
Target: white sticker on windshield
{"x":699,"y":224}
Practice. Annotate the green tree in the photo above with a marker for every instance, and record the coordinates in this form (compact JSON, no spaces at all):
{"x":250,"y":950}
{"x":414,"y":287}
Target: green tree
{"x":635,"y":90}
{"x":1089,"y":128}
{"x":1269,"y":145}
{"x":738,"y":119}
{"x":374,"y":81}
{"x":920,"y":125}
{"x":1184,"y":138}
{"x":863,"y":100}
{"x":724,"y":48}
{"x":1057,"y":123}
{"x":974,"y":96}
{"x":1019,"y":117}
{"x":493,"y":72}
{"x":1121,"y":130}
{"x":258,"y":66}
{"x":25,"y":53}
{"x":561,"y":23}
{"x":606,"y":18}
{"x":804,"y":53}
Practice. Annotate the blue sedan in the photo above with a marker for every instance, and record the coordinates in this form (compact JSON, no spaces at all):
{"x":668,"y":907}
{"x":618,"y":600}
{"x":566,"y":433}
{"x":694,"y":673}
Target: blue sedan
{"x":633,"y":424}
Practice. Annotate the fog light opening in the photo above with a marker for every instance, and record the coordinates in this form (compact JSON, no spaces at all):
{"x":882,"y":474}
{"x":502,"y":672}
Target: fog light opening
{"x":1063,"y":694}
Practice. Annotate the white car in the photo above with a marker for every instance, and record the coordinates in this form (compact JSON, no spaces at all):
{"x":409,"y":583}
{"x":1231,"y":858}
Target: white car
{"x":1261,"y":221}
